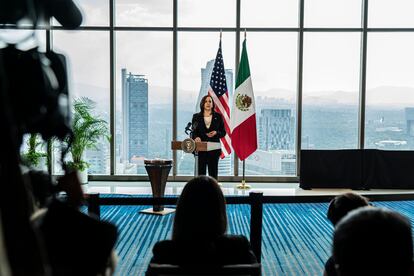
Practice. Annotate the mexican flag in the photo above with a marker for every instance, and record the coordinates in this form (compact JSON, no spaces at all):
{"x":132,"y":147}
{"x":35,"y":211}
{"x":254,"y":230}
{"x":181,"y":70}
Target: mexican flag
{"x":243,"y":112}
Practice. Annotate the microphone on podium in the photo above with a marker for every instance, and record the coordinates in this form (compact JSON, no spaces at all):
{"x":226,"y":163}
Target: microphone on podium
{"x":188,"y":128}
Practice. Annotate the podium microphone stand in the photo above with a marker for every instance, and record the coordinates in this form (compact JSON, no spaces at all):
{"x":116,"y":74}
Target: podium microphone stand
{"x":195,"y":163}
{"x":189,"y":146}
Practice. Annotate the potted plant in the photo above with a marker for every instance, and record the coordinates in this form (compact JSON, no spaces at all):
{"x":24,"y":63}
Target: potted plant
{"x":87,"y":129}
{"x":33,"y":158}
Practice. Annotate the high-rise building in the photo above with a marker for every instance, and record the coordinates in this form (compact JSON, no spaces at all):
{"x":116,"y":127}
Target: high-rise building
{"x":276,"y":128}
{"x":409,"y":118}
{"x":135,"y":117}
{"x":98,"y":158}
{"x":205,"y":82}
{"x":224,"y":167}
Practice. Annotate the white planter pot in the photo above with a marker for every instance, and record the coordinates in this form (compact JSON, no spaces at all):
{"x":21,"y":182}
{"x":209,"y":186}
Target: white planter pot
{"x":42,"y":166}
{"x":83,"y":176}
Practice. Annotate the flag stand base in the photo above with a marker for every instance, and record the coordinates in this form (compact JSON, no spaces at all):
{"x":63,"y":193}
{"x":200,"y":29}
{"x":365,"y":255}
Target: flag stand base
{"x":243,"y":186}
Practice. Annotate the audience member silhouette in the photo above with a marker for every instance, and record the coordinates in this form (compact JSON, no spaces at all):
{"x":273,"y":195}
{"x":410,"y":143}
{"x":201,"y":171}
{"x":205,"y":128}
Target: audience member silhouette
{"x":73,"y":242}
{"x":338,"y":208}
{"x":200,"y":225}
{"x":373,"y":241}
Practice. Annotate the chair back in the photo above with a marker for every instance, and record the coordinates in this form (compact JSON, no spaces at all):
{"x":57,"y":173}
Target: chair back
{"x":204,"y":269}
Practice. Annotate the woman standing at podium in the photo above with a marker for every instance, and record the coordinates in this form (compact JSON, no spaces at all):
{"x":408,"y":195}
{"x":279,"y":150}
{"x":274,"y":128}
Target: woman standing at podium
{"x":208,"y":126}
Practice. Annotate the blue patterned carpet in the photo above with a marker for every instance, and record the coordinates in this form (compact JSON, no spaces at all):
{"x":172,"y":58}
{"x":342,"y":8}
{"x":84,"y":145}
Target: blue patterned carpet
{"x":296,"y":237}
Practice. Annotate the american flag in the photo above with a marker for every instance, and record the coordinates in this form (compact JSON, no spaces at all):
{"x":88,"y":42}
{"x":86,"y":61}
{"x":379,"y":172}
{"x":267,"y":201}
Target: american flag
{"x":218,"y":91}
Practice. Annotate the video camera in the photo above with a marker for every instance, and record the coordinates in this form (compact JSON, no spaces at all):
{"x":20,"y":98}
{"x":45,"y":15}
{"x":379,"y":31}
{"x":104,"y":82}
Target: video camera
{"x":38,"y":11}
{"x":34,"y":84}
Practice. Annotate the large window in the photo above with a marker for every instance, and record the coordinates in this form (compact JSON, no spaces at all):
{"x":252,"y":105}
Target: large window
{"x":330,"y":90}
{"x":273,"y":68}
{"x":194,"y":72}
{"x":87,"y":54}
{"x":160,"y":71}
{"x":389,"y":120}
{"x":143,"y":99}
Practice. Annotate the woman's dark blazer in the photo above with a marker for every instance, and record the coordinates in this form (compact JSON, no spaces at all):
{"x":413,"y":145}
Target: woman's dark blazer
{"x":200,"y":129}
{"x":225,"y":250}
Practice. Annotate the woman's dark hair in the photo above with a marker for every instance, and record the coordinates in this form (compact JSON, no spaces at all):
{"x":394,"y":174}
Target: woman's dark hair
{"x":343,"y":204}
{"x":203,"y":100}
{"x":201,"y":211}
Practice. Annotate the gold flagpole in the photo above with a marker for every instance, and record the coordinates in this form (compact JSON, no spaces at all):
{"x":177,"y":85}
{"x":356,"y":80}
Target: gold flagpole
{"x":243,"y":185}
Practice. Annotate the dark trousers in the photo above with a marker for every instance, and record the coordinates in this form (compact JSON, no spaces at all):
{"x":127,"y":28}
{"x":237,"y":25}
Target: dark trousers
{"x":208,"y":159}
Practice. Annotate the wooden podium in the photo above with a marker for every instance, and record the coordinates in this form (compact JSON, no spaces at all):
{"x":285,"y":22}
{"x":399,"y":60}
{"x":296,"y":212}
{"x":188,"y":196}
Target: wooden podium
{"x":190,"y":146}
{"x":199,"y":146}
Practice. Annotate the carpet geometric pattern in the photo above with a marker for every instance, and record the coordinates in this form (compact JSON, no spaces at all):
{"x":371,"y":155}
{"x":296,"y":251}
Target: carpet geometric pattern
{"x":296,"y":236}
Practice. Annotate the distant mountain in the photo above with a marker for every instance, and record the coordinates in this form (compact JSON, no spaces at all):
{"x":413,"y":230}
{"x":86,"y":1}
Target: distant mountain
{"x":391,"y":96}
{"x":383,"y":96}
{"x":157,"y":95}
{"x":288,"y":97}
{"x":276,"y":93}
{"x":332,"y":98}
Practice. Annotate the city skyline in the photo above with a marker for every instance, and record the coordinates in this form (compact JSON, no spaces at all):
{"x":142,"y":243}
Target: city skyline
{"x":378,"y":97}
{"x":285,"y":159}
{"x":381,"y":130}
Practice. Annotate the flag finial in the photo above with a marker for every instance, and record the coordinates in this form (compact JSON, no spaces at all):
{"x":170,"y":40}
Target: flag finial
{"x":245,"y":34}
{"x":221,"y":33}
